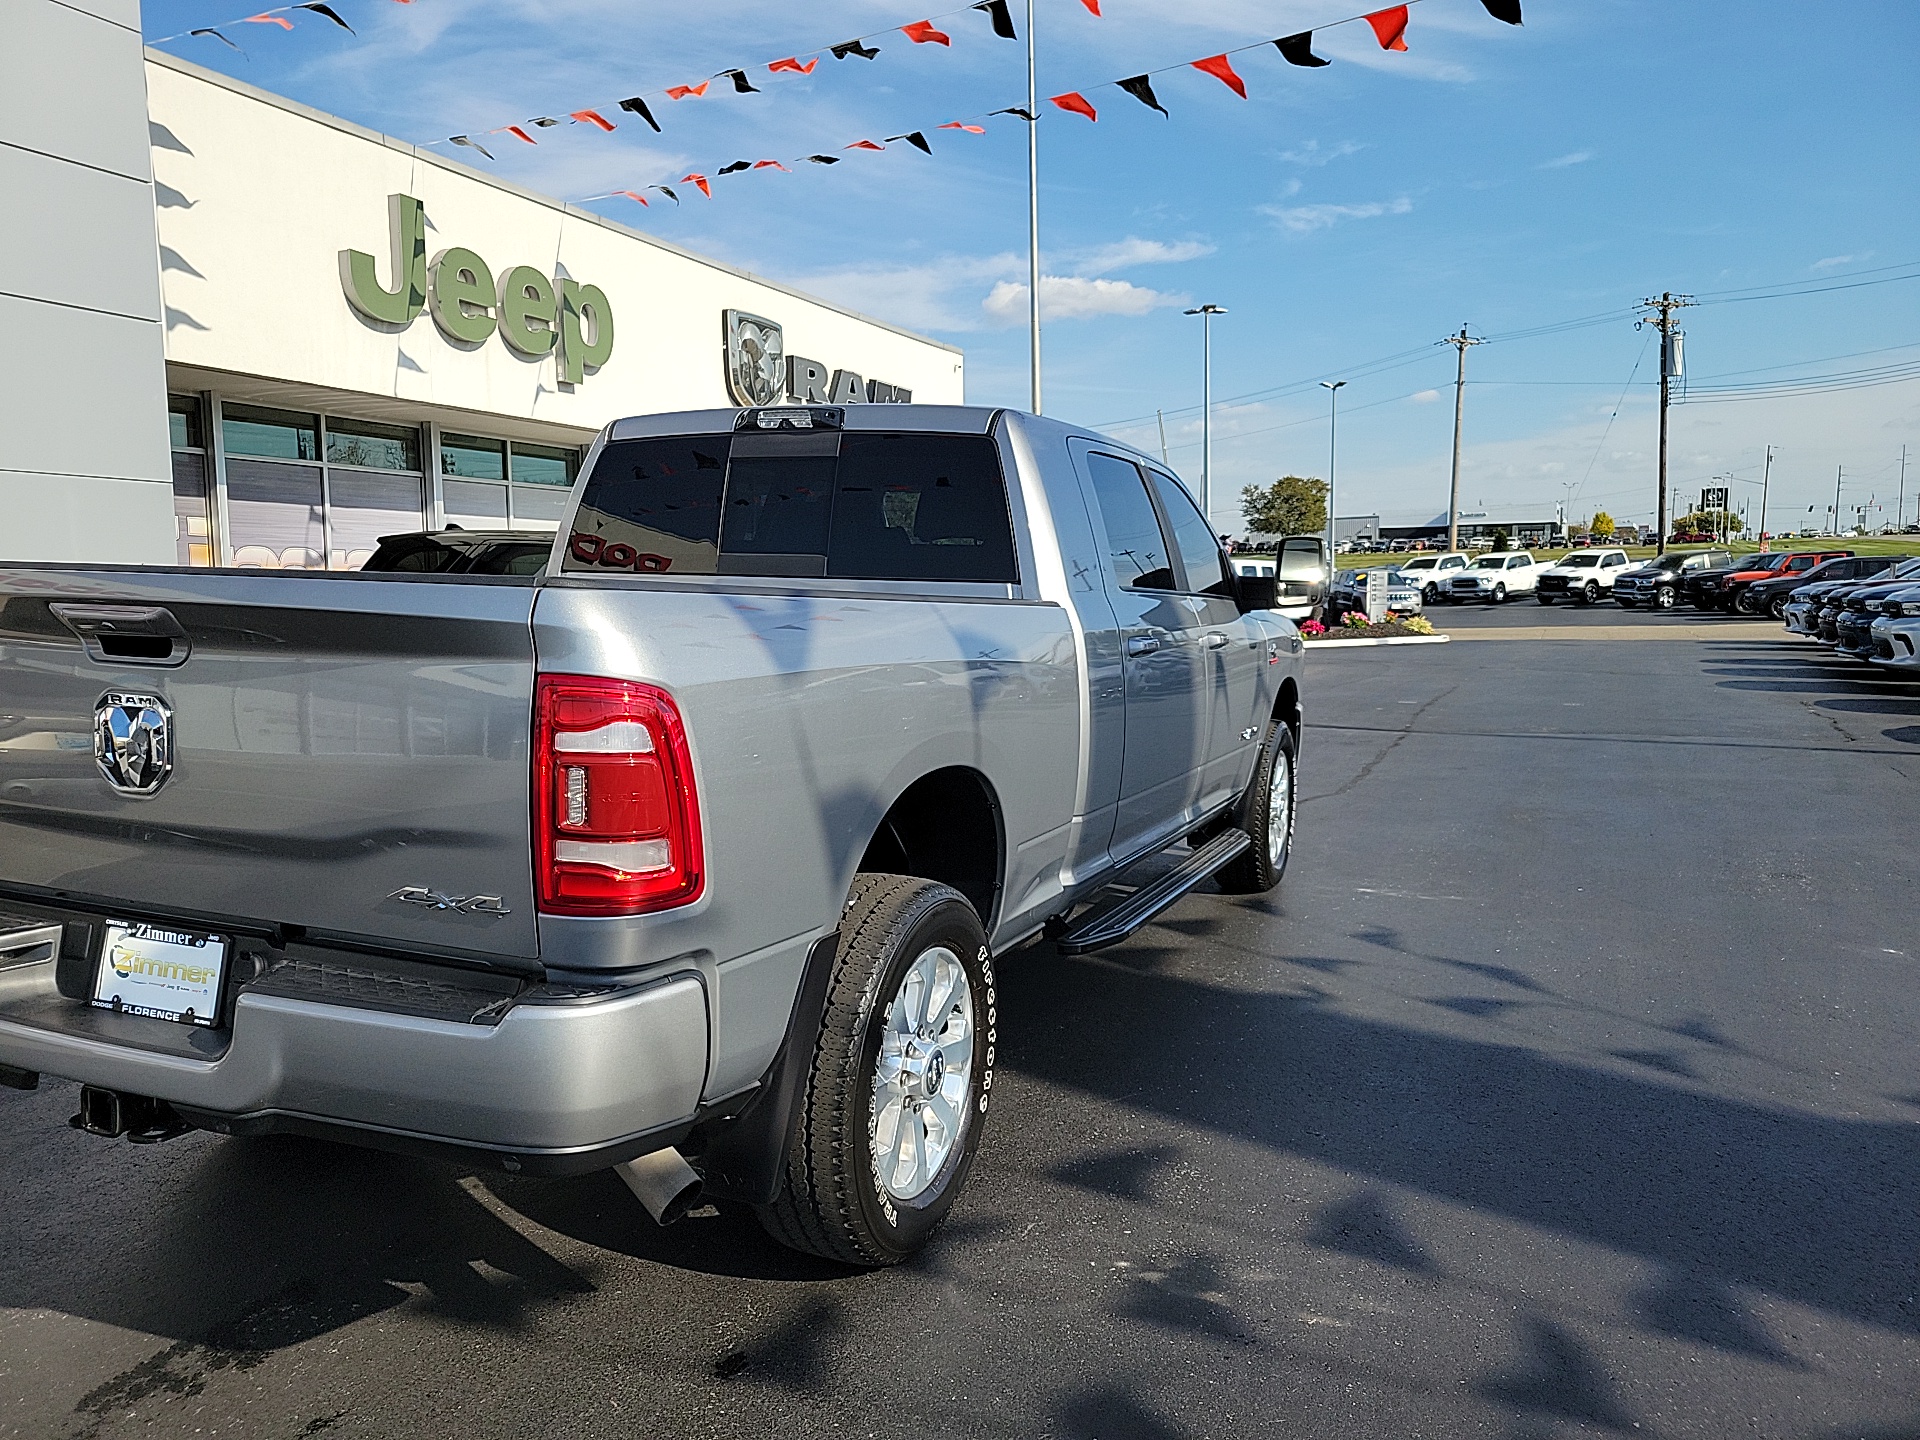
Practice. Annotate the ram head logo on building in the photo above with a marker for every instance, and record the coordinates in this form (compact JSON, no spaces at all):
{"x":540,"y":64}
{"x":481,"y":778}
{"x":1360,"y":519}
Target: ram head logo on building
{"x":756,"y":359}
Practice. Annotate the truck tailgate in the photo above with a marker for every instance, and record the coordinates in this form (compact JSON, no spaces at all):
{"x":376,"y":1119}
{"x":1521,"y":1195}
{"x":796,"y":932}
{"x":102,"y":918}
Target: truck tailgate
{"x":334,"y":740}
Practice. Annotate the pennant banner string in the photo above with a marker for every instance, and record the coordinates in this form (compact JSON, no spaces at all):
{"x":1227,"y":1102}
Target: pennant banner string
{"x":276,"y":16}
{"x":1388,"y":27}
{"x":919,"y":32}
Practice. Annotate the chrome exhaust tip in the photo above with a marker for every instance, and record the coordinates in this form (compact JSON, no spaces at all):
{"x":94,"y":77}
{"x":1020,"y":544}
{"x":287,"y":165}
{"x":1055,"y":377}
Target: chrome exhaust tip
{"x":664,"y":1183}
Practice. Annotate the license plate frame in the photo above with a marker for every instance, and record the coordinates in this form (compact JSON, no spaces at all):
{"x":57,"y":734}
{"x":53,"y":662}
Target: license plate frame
{"x":161,"y":972}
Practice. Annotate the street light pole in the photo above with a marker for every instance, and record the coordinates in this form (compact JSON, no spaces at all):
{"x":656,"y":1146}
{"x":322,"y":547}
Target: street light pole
{"x":1332,"y":387}
{"x":1206,"y":314}
{"x":1766,"y":476}
{"x":1033,"y":217}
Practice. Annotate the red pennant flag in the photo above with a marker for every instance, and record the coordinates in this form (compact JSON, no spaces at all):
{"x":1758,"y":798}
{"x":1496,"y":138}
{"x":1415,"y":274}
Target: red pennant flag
{"x":960,"y":125}
{"x":1390,"y":27}
{"x":921,"y":32}
{"x":1222,"y":70}
{"x":516,"y":130}
{"x":631,"y":195}
{"x":280,"y":20}
{"x":1076,"y":102}
{"x":793,"y":63}
{"x":592,"y":117}
{"x":864,"y":145}
{"x":1093,"y":5}
{"x":681,"y":92}
{"x":701,"y":181}
{"x":775,"y":164}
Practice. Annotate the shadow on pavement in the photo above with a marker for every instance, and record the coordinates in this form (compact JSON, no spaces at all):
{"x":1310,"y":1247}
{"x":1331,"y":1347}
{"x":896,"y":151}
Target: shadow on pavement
{"x":1823,"y":1212}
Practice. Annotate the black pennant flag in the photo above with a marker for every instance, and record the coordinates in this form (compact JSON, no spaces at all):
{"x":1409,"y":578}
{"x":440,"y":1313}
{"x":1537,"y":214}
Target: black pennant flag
{"x":735,"y":168}
{"x":471,"y":144}
{"x":327,"y":10}
{"x":209,"y":30}
{"x":915,"y":139}
{"x":740,"y":82}
{"x":639,"y":107}
{"x":1024,"y":114}
{"x":1141,"y":88}
{"x":824,"y":159}
{"x":1298,"y":50}
{"x":996,"y":11}
{"x":854,"y":47}
{"x":544,"y":122}
{"x":1507,"y":10}
{"x":667,"y":190}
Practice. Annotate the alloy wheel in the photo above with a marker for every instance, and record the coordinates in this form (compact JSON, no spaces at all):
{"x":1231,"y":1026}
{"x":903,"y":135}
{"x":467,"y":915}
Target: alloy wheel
{"x":922,"y":1074}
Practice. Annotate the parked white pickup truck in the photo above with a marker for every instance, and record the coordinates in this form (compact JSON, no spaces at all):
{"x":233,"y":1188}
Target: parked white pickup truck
{"x":689,"y":856}
{"x":1494,"y":579}
{"x":1584,"y":577}
{"x":1431,"y":572}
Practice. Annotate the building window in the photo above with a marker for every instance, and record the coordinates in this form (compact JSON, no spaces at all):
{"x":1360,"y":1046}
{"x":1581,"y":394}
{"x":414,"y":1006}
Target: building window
{"x":475,"y":494}
{"x":284,"y":515}
{"x":191,"y":507}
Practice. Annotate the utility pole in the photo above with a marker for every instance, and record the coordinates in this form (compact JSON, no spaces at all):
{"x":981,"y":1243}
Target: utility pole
{"x":1838,"y":471}
{"x":1670,"y":370}
{"x":1033,"y":217}
{"x":1161,"y":417}
{"x":1206,"y":314}
{"x":1460,"y":342}
{"x":1332,"y":387}
{"x":1765,"y":476}
{"x":1900,"y":511}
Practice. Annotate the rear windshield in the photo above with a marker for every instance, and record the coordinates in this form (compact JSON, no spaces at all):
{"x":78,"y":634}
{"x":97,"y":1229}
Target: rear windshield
{"x":855,"y":505}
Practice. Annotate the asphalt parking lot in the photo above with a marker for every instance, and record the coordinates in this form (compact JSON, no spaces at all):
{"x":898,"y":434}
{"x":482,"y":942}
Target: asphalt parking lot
{"x":1569,"y":1086}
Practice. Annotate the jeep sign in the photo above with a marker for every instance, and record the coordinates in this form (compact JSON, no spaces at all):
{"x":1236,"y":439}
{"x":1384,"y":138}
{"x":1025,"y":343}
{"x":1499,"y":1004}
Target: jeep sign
{"x":533,"y":315}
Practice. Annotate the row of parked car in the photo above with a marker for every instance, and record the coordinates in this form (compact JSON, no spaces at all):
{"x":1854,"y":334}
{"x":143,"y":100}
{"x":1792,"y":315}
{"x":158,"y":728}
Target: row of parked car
{"x":1866,"y":607}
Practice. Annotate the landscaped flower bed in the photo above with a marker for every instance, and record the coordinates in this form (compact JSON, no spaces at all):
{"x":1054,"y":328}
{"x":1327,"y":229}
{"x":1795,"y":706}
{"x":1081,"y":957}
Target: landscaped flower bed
{"x":1354,"y":626}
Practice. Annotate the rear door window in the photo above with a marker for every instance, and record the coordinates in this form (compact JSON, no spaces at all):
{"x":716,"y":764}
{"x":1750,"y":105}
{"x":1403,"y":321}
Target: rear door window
{"x":1136,"y":548}
{"x":846,"y":505}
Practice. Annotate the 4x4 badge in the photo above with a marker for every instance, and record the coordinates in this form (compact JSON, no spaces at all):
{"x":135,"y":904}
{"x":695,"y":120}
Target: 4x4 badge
{"x":434,"y":900}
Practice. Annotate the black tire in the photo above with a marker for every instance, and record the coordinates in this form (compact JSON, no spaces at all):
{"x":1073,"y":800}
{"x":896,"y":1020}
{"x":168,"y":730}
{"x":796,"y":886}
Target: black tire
{"x":1625,"y":604}
{"x":1664,"y":598}
{"x":1544,"y":599}
{"x":831,"y":1202}
{"x":1743,"y":604}
{"x":1777,"y":607}
{"x":1499,"y":596}
{"x":1430,"y":595}
{"x":1590,"y":595}
{"x":1257,"y":871}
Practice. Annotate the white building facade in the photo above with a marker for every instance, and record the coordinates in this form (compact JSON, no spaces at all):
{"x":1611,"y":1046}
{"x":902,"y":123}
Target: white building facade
{"x":362,"y":338}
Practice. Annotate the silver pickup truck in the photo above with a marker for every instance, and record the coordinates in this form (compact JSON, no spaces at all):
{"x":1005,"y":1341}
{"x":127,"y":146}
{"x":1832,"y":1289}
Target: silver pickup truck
{"x":689,"y":856}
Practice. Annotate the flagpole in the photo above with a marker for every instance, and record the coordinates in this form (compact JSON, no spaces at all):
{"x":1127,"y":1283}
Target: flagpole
{"x":1033,"y":216}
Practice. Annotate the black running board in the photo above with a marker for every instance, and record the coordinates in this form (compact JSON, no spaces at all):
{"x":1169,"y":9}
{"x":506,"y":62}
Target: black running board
{"x":1114,"y":923}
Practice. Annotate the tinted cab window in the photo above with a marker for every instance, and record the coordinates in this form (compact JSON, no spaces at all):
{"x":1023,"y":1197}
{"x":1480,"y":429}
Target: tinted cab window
{"x":846,"y":505}
{"x":1200,"y":555}
{"x":1136,"y":548}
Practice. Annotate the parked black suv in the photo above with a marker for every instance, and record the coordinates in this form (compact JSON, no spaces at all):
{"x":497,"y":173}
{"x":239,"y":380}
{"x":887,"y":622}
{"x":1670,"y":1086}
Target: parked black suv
{"x":1656,"y":584}
{"x":1771,"y":595}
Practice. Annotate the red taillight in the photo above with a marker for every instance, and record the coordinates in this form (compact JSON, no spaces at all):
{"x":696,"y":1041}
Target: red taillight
{"x":616,"y":821}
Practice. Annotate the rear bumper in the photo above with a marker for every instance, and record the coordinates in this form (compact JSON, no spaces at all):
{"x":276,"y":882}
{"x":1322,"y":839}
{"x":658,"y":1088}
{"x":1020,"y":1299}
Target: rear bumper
{"x":561,"y":1084}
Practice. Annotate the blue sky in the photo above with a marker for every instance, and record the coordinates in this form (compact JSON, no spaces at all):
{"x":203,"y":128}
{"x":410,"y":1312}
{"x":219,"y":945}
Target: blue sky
{"x":1508,"y":179}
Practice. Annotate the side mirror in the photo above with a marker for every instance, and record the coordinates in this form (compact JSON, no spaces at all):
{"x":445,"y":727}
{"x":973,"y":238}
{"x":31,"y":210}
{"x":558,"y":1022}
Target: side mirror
{"x":1256,"y":592}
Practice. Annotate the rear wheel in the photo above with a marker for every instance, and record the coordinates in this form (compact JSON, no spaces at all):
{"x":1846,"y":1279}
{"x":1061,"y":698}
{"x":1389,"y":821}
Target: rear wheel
{"x":897,"y":1095}
{"x":1266,"y":813}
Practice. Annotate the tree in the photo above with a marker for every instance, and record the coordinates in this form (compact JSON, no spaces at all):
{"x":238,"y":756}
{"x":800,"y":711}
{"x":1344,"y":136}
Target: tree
{"x":1291,"y":505}
{"x":1709,"y":522}
{"x":1601,"y":525}
{"x":1502,"y":540}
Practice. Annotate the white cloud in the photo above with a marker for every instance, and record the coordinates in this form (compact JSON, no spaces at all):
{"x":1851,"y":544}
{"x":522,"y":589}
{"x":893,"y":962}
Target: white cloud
{"x":1834,"y":262}
{"x":1309,"y":152}
{"x":1425,"y":397}
{"x":1073,"y":297}
{"x":1578,"y":157}
{"x":1132,"y":251}
{"x":1304,"y":219}
{"x":932,"y":296}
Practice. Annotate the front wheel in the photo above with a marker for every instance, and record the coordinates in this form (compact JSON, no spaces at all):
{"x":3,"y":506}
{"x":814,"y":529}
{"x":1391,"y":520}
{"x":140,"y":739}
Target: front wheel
{"x":1743,"y":604}
{"x":1591,"y":594}
{"x":1266,"y":813}
{"x":1625,"y":604}
{"x":1499,"y":595}
{"x":1777,"y":607}
{"x":897,"y":1094}
{"x":1430,"y":595}
{"x":1544,"y":599}
{"x":1664,"y":598}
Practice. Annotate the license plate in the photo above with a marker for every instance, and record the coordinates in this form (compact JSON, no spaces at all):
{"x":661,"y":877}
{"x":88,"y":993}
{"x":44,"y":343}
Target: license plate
{"x":161,"y":972}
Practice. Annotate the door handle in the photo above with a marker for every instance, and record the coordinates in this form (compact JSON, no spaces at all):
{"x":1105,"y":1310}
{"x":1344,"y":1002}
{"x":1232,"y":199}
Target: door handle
{"x":1142,"y":644}
{"x":1215,"y":640}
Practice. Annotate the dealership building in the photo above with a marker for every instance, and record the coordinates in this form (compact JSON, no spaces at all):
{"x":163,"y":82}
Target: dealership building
{"x":248,"y":333}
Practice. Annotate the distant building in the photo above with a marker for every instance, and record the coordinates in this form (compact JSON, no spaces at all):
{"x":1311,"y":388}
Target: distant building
{"x":1348,"y":528}
{"x":1525,"y":525}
